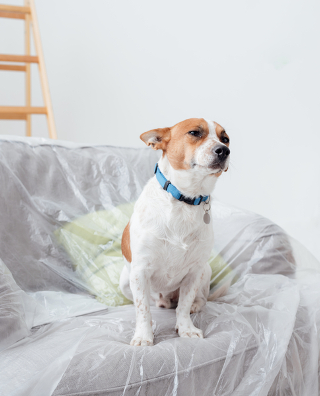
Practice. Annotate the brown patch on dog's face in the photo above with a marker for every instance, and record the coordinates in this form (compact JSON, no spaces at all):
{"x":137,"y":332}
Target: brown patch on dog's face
{"x":189,"y":143}
{"x":222,"y":134}
{"x":186,"y":137}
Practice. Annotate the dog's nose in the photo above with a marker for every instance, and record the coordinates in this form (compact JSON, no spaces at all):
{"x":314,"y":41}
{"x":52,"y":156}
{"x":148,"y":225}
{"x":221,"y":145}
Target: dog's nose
{"x":222,"y":151}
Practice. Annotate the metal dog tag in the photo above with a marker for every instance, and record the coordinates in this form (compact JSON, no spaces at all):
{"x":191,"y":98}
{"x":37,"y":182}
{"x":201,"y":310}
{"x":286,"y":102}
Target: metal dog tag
{"x":206,"y":218}
{"x":206,"y":208}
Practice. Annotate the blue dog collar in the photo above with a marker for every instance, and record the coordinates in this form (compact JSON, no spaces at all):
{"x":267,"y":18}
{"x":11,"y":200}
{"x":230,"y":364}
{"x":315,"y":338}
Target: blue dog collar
{"x":167,"y":186}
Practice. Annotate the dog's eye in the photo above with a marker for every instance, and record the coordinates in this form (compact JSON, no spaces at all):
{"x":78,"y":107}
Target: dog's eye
{"x":195,"y":133}
{"x":224,"y":140}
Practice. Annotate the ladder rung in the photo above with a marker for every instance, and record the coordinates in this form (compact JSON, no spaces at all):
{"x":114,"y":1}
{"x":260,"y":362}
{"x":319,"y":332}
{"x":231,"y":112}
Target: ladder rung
{"x":8,"y":116}
{"x":10,"y":110}
{"x":14,"y":67}
{"x":19,"y":58}
{"x":12,"y":15}
{"x":10,"y":8}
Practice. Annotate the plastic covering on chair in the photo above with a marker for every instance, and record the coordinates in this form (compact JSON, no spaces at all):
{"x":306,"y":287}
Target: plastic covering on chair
{"x":62,"y":330}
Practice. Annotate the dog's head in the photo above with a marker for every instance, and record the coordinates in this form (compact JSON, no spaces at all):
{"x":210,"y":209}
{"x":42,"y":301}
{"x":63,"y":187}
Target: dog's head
{"x":193,"y":144}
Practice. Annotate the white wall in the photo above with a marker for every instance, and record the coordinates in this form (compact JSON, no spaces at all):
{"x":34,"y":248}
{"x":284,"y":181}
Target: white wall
{"x":119,"y":68}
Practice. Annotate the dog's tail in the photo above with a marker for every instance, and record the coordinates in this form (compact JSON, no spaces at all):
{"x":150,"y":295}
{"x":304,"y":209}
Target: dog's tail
{"x":221,"y":290}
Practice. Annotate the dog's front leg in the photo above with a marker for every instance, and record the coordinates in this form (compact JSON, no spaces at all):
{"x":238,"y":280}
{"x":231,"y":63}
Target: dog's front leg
{"x":140,"y":287}
{"x":188,"y":291}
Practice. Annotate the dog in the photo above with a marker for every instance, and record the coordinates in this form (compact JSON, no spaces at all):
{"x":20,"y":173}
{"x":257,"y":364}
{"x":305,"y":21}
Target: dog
{"x":168,"y":240}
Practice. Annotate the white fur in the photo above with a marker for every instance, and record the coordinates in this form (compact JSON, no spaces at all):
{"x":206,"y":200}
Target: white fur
{"x":170,"y":246}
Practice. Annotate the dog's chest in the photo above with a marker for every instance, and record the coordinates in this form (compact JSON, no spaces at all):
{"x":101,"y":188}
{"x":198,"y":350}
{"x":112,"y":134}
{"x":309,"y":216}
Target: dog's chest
{"x":181,"y":242}
{"x":168,"y":237}
{"x":176,"y":260}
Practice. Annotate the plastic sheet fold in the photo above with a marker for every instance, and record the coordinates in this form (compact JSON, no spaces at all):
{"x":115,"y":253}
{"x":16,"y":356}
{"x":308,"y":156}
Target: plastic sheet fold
{"x":60,"y":331}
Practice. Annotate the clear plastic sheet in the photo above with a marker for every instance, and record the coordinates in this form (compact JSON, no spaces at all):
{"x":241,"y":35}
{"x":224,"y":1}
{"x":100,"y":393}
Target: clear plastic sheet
{"x":262,"y":338}
{"x":15,"y":322}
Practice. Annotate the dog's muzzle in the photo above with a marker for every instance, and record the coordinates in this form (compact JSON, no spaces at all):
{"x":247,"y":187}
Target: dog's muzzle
{"x":220,"y":155}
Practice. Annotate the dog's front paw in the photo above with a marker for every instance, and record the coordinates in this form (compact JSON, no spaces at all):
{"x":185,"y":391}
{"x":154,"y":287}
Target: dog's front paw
{"x":142,"y":339}
{"x":189,"y":332}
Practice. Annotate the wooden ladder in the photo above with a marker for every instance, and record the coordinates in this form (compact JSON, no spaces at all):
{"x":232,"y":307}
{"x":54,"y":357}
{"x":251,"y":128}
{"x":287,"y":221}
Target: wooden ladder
{"x":28,"y":13}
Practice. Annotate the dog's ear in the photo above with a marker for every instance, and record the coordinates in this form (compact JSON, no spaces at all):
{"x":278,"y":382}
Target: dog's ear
{"x":157,"y":138}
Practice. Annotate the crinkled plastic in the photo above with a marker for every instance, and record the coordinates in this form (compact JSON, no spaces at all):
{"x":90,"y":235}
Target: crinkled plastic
{"x":15,"y":323}
{"x":59,"y":245}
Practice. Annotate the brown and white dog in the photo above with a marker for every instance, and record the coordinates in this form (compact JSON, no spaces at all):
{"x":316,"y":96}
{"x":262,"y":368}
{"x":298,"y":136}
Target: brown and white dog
{"x":167,"y":244}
